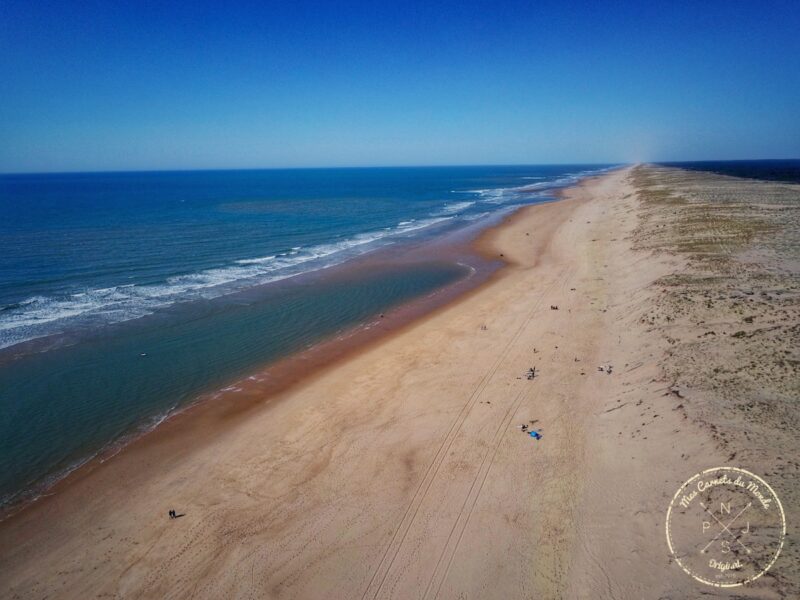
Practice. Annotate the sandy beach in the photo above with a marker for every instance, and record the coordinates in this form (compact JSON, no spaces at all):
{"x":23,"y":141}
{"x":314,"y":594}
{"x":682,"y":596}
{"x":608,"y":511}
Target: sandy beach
{"x":400,"y":471}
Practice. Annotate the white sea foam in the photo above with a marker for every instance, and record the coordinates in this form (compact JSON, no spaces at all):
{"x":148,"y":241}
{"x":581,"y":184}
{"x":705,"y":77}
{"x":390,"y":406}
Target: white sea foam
{"x":256,"y":261}
{"x":39,"y":315}
{"x":519,"y":193}
{"x":455,"y":207}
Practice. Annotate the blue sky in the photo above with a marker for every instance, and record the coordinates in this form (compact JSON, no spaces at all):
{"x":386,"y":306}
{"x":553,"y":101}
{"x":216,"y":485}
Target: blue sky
{"x":139,"y":85}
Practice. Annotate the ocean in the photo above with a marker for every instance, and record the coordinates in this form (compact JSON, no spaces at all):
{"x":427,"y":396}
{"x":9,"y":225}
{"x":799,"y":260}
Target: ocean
{"x":124,"y":297}
{"x":787,"y":170}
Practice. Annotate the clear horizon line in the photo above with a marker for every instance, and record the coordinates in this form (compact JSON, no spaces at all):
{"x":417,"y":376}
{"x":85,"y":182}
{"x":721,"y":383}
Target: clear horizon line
{"x":409,"y":166}
{"x":316,"y":168}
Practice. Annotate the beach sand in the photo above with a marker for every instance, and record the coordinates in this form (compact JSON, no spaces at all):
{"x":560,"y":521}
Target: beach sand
{"x":400,"y":471}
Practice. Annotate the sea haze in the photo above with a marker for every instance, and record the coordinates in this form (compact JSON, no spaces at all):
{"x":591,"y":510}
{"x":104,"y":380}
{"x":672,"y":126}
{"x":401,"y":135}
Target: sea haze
{"x":124,"y":296}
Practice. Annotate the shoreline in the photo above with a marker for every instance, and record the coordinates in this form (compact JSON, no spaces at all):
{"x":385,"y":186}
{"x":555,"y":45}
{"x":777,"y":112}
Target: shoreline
{"x":265,"y":383}
{"x":208,"y":420}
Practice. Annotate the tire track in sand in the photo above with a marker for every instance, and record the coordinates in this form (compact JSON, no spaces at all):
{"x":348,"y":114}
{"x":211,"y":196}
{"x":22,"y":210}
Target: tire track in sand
{"x":496,"y":441}
{"x":384,"y":567}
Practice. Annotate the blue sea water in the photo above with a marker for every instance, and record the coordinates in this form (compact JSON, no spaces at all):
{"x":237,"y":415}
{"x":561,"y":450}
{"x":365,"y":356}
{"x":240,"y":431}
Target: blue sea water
{"x":123,"y":296}
{"x":770,"y":170}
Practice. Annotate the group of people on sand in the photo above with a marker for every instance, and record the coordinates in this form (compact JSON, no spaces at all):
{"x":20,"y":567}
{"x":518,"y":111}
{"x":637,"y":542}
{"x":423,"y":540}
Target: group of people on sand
{"x":531,"y":432}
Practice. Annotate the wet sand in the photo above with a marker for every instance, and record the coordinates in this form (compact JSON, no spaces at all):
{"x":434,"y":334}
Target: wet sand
{"x":400,"y":470}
